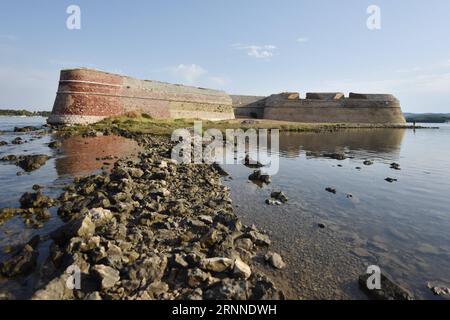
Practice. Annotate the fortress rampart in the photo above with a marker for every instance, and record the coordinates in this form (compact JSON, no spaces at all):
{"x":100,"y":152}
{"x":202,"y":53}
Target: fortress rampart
{"x":87,"y":96}
{"x":325,"y":107}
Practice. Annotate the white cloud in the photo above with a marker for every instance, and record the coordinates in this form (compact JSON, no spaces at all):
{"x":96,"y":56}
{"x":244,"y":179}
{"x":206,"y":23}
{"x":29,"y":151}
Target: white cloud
{"x":190,"y":73}
{"x":258,"y":51}
{"x":302,"y":40}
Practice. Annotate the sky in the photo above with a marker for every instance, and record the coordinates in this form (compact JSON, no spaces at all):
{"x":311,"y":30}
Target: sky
{"x":255,"y":47}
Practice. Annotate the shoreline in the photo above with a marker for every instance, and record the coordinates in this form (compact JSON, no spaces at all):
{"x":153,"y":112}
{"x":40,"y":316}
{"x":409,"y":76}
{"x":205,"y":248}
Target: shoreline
{"x":194,"y":249}
{"x":217,"y":282}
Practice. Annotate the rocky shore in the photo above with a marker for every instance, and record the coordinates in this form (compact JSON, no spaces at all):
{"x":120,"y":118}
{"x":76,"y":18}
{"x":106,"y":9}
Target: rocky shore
{"x":148,"y":229}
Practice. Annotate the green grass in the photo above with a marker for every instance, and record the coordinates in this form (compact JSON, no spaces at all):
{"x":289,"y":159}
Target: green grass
{"x":145,"y":124}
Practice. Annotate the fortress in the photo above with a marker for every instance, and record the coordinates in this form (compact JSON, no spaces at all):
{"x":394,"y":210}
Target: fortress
{"x":88,"y":96}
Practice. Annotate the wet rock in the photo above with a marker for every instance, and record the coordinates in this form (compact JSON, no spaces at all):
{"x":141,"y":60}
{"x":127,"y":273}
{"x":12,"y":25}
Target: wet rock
{"x":26,"y":129}
{"x":250,"y":163}
{"x":390,"y":180}
{"x":34,"y":162}
{"x":368,"y":163}
{"x":3,"y":143}
{"x":22,"y":263}
{"x":438,"y":290}
{"x":107,"y":276}
{"x":10,"y":157}
{"x":395,"y":166}
{"x":17,"y":140}
{"x":275,"y":260}
{"x":321,"y":225}
{"x":258,"y":176}
{"x":280,"y":196}
{"x":217,"y":264}
{"x":335,"y":156}
{"x":330,"y":190}
{"x":241,"y":269}
{"x":272,"y":202}
{"x":55,"y":144}
{"x":35,"y":200}
{"x":389,"y":290}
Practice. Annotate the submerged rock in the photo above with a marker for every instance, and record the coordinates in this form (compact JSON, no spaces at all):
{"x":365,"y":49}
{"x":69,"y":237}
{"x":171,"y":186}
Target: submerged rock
{"x":35,"y":200}
{"x":22,"y":263}
{"x":395,"y":166}
{"x":55,"y":144}
{"x":26,"y":129}
{"x":17,"y":140}
{"x":330,"y":190}
{"x":336,"y":156}
{"x":31,"y":163}
{"x":390,"y":180}
{"x":258,"y":176}
{"x":389,"y":290}
{"x":280,"y":196}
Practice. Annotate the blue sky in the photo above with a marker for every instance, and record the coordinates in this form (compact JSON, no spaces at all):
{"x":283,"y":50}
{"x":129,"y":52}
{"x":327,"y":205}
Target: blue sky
{"x":245,"y":47}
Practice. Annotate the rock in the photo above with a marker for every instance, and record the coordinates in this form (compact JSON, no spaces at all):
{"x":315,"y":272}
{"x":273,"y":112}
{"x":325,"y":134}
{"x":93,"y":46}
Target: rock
{"x":390,"y":180}
{"x":272,"y":202}
{"x":389,"y":290}
{"x":10,"y":157}
{"x":259,"y":238}
{"x":34,"y":162}
{"x":229,"y":289}
{"x":107,"y":276}
{"x":395,"y":166}
{"x":196,"y":277}
{"x":157,"y":288}
{"x":336,"y":156}
{"x":244,"y":243}
{"x":439,"y":290}
{"x":280,"y":196}
{"x":258,"y":176}
{"x":25,"y":129}
{"x":22,"y":263}
{"x":55,"y":144}
{"x":83,"y":228}
{"x":321,"y":225}
{"x":56,"y":289}
{"x":93,"y":296}
{"x":37,"y":187}
{"x":241,"y":269}
{"x":250,"y":163}
{"x":100,"y":216}
{"x":216,"y":264}
{"x":368,"y":163}
{"x":17,"y":140}
{"x":3,"y":143}
{"x":275,"y":260}
{"x":35,"y":200}
{"x":330,"y":190}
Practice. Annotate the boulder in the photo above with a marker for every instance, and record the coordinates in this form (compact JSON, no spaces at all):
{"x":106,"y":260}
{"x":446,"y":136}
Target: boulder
{"x":107,"y":276}
{"x":216,"y":264}
{"x":34,"y":162}
{"x":241,"y":269}
{"x":275,"y":260}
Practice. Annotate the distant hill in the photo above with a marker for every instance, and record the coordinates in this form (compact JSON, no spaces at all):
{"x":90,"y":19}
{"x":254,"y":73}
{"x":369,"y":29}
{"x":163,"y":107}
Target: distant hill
{"x":427,"y":117}
{"x":11,"y":112}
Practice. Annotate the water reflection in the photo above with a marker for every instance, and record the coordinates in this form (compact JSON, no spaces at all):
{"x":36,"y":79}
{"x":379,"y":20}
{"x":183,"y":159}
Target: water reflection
{"x":404,"y":227}
{"x":82,"y":156}
{"x":378,"y":141}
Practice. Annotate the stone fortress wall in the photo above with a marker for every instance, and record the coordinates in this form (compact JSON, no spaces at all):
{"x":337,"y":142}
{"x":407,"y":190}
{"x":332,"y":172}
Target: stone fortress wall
{"x":87,"y":96}
{"x":324,"y":107}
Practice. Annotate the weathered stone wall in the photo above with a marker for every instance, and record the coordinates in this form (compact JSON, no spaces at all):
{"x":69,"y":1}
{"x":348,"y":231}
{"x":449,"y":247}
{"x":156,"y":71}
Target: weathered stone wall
{"x":248,"y":106}
{"x":86,"y":96}
{"x":357,"y":109}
